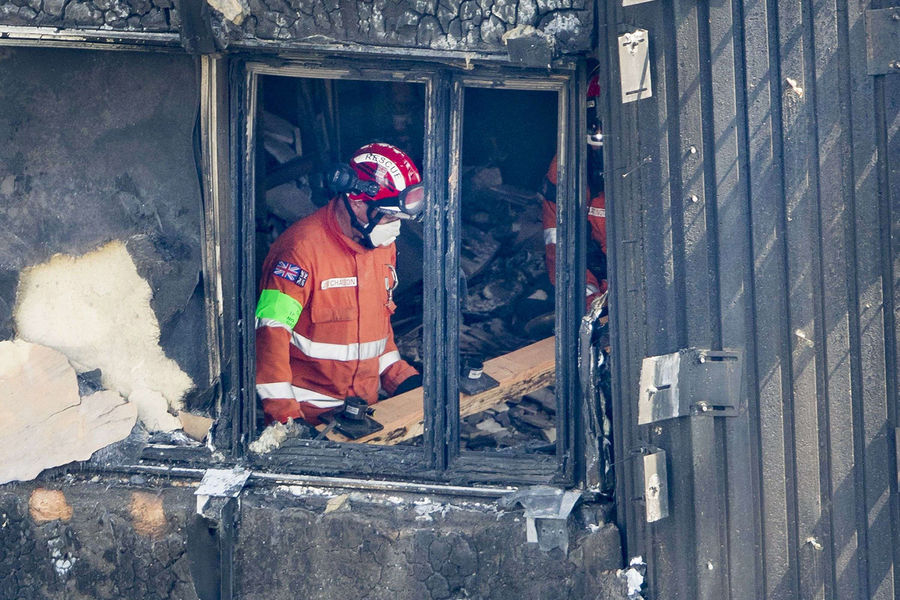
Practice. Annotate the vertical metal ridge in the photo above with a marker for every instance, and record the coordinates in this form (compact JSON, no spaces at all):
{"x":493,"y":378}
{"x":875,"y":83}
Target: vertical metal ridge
{"x":889,"y":149}
{"x":745,"y":160}
{"x":867,"y":318}
{"x":675,"y":165}
{"x":889,"y":253}
{"x":711,"y":181}
{"x":838,"y":452}
{"x":791,"y":67}
{"x":825,"y":128}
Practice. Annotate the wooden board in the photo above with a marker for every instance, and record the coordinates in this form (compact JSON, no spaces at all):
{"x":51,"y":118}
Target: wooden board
{"x":518,"y":373}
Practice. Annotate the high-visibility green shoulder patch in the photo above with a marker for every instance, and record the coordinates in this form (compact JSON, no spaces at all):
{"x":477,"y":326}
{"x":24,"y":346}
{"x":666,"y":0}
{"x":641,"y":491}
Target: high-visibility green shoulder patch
{"x":278,"y":306}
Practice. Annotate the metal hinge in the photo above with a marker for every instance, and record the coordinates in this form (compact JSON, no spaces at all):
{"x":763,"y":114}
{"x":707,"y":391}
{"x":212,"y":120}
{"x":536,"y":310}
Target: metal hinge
{"x":883,"y":41}
{"x":690,"y":382}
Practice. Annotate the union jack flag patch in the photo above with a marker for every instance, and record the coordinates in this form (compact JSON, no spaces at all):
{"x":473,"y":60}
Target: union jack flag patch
{"x":291,"y":272}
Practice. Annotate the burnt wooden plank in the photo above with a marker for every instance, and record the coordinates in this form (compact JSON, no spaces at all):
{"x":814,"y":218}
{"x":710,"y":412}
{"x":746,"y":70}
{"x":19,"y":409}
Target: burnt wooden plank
{"x":436,"y":303}
{"x":767,"y":366}
{"x":517,"y":373}
{"x":572,"y":227}
{"x":452,"y":269}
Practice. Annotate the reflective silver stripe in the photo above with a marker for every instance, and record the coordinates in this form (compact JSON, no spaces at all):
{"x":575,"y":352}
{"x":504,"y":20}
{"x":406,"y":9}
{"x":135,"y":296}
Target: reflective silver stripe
{"x":550,"y":235}
{"x":315,"y":398}
{"x":591,"y":289}
{"x":282,"y":389}
{"x":271,"y":323}
{"x":342,"y":352}
{"x":386,"y":360}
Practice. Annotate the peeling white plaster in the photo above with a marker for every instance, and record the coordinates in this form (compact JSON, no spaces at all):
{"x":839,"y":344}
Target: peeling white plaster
{"x":152,"y":410}
{"x":43,"y":422}
{"x":233,"y":10}
{"x":96,"y":310}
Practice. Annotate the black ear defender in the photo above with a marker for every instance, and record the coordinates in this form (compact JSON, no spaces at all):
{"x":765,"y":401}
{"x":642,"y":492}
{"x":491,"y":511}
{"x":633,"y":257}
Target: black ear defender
{"x":341,"y":179}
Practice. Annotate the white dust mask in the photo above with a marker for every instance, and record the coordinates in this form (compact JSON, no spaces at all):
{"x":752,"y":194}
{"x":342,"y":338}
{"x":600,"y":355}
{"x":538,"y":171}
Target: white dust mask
{"x":384,"y":234}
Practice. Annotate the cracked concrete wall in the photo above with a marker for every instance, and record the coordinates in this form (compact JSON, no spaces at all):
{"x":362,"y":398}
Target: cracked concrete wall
{"x":96,"y":147}
{"x":92,"y":541}
{"x":132,"y":15}
{"x":320,"y":546}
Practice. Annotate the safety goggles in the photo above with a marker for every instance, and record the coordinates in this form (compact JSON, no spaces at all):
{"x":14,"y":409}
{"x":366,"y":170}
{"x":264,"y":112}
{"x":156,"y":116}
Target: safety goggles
{"x":408,"y":204}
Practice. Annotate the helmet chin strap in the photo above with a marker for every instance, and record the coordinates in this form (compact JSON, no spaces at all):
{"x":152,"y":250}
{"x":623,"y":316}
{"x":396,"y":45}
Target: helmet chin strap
{"x":372,"y":214}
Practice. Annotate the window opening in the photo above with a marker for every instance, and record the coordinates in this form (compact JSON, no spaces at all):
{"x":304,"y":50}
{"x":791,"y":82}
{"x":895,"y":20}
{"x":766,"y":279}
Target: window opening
{"x":507,"y":399}
{"x":340,"y":307}
{"x":490,"y":171}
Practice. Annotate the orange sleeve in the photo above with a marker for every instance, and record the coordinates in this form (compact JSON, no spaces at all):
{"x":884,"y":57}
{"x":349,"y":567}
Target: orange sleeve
{"x":284,"y":292}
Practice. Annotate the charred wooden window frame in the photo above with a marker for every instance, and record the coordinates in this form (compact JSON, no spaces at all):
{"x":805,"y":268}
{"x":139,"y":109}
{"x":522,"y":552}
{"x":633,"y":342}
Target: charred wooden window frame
{"x":440,"y":457}
{"x":559,"y":468}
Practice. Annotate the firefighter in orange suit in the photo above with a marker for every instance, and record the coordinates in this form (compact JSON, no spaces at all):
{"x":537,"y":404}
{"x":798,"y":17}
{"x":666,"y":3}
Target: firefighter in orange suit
{"x":323,"y":329}
{"x":595,"y":278}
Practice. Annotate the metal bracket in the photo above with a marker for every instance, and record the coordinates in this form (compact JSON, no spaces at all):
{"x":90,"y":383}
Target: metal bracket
{"x":212,"y":531}
{"x":883,"y":41}
{"x":656,"y":486}
{"x":634,"y":65}
{"x":217,"y":487}
{"x":547,"y":512}
{"x":690,"y":382}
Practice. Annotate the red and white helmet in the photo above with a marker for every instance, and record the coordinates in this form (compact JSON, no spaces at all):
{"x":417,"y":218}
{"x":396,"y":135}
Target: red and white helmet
{"x":399,"y":191}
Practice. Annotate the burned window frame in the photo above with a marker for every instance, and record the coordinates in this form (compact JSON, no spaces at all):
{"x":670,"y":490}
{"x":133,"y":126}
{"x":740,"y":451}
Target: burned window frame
{"x":439,"y":458}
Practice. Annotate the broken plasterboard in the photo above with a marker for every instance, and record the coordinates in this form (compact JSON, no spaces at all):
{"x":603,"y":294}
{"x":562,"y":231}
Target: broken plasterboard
{"x":43,"y":421}
{"x":96,"y":310}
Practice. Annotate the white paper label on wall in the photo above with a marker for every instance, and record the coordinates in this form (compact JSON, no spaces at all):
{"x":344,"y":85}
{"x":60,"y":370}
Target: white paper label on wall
{"x":631,"y":2}
{"x":634,"y":65}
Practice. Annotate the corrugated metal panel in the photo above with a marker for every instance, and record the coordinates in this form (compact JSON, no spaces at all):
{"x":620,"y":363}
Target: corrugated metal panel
{"x":754,"y":203}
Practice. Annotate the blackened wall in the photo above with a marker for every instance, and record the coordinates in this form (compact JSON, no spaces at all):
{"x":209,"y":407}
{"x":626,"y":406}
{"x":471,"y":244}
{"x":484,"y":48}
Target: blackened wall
{"x":143,"y":15}
{"x":471,"y":25}
{"x":95,"y":147}
{"x":131,"y":538}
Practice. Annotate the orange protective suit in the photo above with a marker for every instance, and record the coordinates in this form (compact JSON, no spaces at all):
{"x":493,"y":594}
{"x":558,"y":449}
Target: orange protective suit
{"x":596,"y":221}
{"x":323,"y":329}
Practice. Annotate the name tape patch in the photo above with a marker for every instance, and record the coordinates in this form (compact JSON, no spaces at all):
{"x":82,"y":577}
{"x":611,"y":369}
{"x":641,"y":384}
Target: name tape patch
{"x":593,"y":211}
{"x":339,"y":282}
